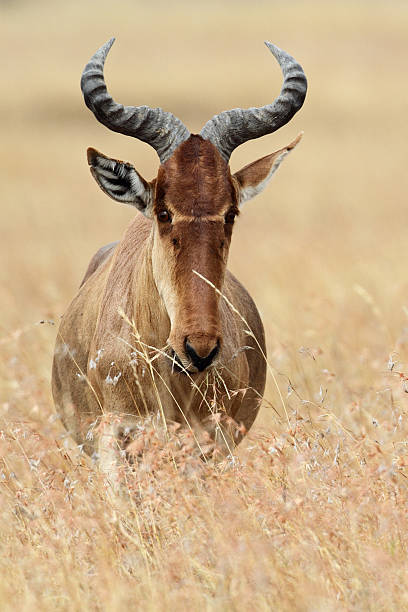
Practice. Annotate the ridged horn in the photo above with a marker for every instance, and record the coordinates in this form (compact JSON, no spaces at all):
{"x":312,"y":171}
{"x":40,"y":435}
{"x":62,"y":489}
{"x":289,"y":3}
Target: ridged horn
{"x":160,"y":129}
{"x":232,"y":128}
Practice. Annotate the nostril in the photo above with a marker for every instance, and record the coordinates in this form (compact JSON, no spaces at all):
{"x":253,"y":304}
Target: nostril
{"x":190,"y":350}
{"x":201,"y":362}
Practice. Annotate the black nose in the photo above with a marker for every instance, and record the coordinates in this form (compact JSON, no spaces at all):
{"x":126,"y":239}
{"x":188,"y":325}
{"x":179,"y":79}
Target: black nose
{"x":201,"y":362}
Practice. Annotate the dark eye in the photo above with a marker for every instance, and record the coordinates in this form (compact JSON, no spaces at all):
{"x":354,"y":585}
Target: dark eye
{"x":164,"y":216}
{"x":230,"y":217}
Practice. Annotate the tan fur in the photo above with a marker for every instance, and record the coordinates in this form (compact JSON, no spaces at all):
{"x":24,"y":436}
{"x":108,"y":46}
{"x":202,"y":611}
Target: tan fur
{"x":143,"y":297}
{"x":254,"y":177}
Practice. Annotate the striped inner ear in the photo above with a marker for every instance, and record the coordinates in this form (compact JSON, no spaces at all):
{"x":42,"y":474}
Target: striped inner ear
{"x":120,"y":181}
{"x":115,"y":178}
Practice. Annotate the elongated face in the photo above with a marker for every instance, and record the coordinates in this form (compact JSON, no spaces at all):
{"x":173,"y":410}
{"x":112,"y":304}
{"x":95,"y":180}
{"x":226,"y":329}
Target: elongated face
{"x":193,"y":203}
{"x":194,"y":208}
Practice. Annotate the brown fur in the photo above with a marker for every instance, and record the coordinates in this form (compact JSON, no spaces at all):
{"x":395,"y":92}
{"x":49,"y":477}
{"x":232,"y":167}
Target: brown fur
{"x":143,"y":296}
{"x":198,"y":239}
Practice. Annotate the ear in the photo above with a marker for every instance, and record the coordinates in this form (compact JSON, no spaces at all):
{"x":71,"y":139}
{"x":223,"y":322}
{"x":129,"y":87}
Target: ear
{"x":254,"y":178}
{"x":120,"y":181}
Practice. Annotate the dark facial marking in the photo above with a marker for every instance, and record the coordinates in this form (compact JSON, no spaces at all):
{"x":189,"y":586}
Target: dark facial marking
{"x":230,"y":216}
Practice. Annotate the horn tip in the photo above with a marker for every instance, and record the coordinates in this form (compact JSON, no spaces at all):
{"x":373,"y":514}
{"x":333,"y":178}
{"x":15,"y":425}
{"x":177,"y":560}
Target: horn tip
{"x":107,"y":46}
{"x":276,"y":51}
{"x":103,"y":51}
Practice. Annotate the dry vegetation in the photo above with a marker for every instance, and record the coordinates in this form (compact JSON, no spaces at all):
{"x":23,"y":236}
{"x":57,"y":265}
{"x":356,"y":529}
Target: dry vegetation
{"x":313,"y":512}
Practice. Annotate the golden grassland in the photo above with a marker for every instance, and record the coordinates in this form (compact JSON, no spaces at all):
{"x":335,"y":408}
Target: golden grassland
{"x":313,"y":512}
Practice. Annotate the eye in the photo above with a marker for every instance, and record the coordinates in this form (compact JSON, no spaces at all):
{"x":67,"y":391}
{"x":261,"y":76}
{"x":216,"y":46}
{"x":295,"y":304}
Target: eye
{"x":230,"y":217}
{"x":164,"y":216}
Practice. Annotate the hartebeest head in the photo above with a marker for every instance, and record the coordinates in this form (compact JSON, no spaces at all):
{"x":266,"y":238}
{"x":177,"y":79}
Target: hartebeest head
{"x":194,"y":199}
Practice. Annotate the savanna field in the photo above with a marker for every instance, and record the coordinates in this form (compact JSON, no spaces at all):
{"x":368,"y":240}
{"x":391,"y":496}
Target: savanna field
{"x":312,"y":512}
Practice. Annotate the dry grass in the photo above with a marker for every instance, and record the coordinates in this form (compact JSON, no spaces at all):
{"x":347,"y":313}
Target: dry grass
{"x":313,"y":513}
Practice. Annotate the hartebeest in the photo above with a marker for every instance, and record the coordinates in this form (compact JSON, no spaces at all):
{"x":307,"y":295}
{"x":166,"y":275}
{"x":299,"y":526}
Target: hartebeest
{"x":159,"y":322}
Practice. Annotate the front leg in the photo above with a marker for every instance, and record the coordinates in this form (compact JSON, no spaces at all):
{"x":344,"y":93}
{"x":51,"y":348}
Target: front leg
{"x":115,"y":433}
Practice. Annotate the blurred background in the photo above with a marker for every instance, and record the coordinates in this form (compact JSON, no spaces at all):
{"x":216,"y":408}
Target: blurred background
{"x":323,"y":250}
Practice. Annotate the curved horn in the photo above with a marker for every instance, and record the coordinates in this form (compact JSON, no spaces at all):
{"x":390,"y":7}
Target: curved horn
{"x":162,"y":130}
{"x":231,"y":128}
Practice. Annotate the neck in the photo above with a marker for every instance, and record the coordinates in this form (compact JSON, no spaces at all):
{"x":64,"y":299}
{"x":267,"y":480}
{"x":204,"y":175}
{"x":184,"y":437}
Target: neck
{"x":148,"y":311}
